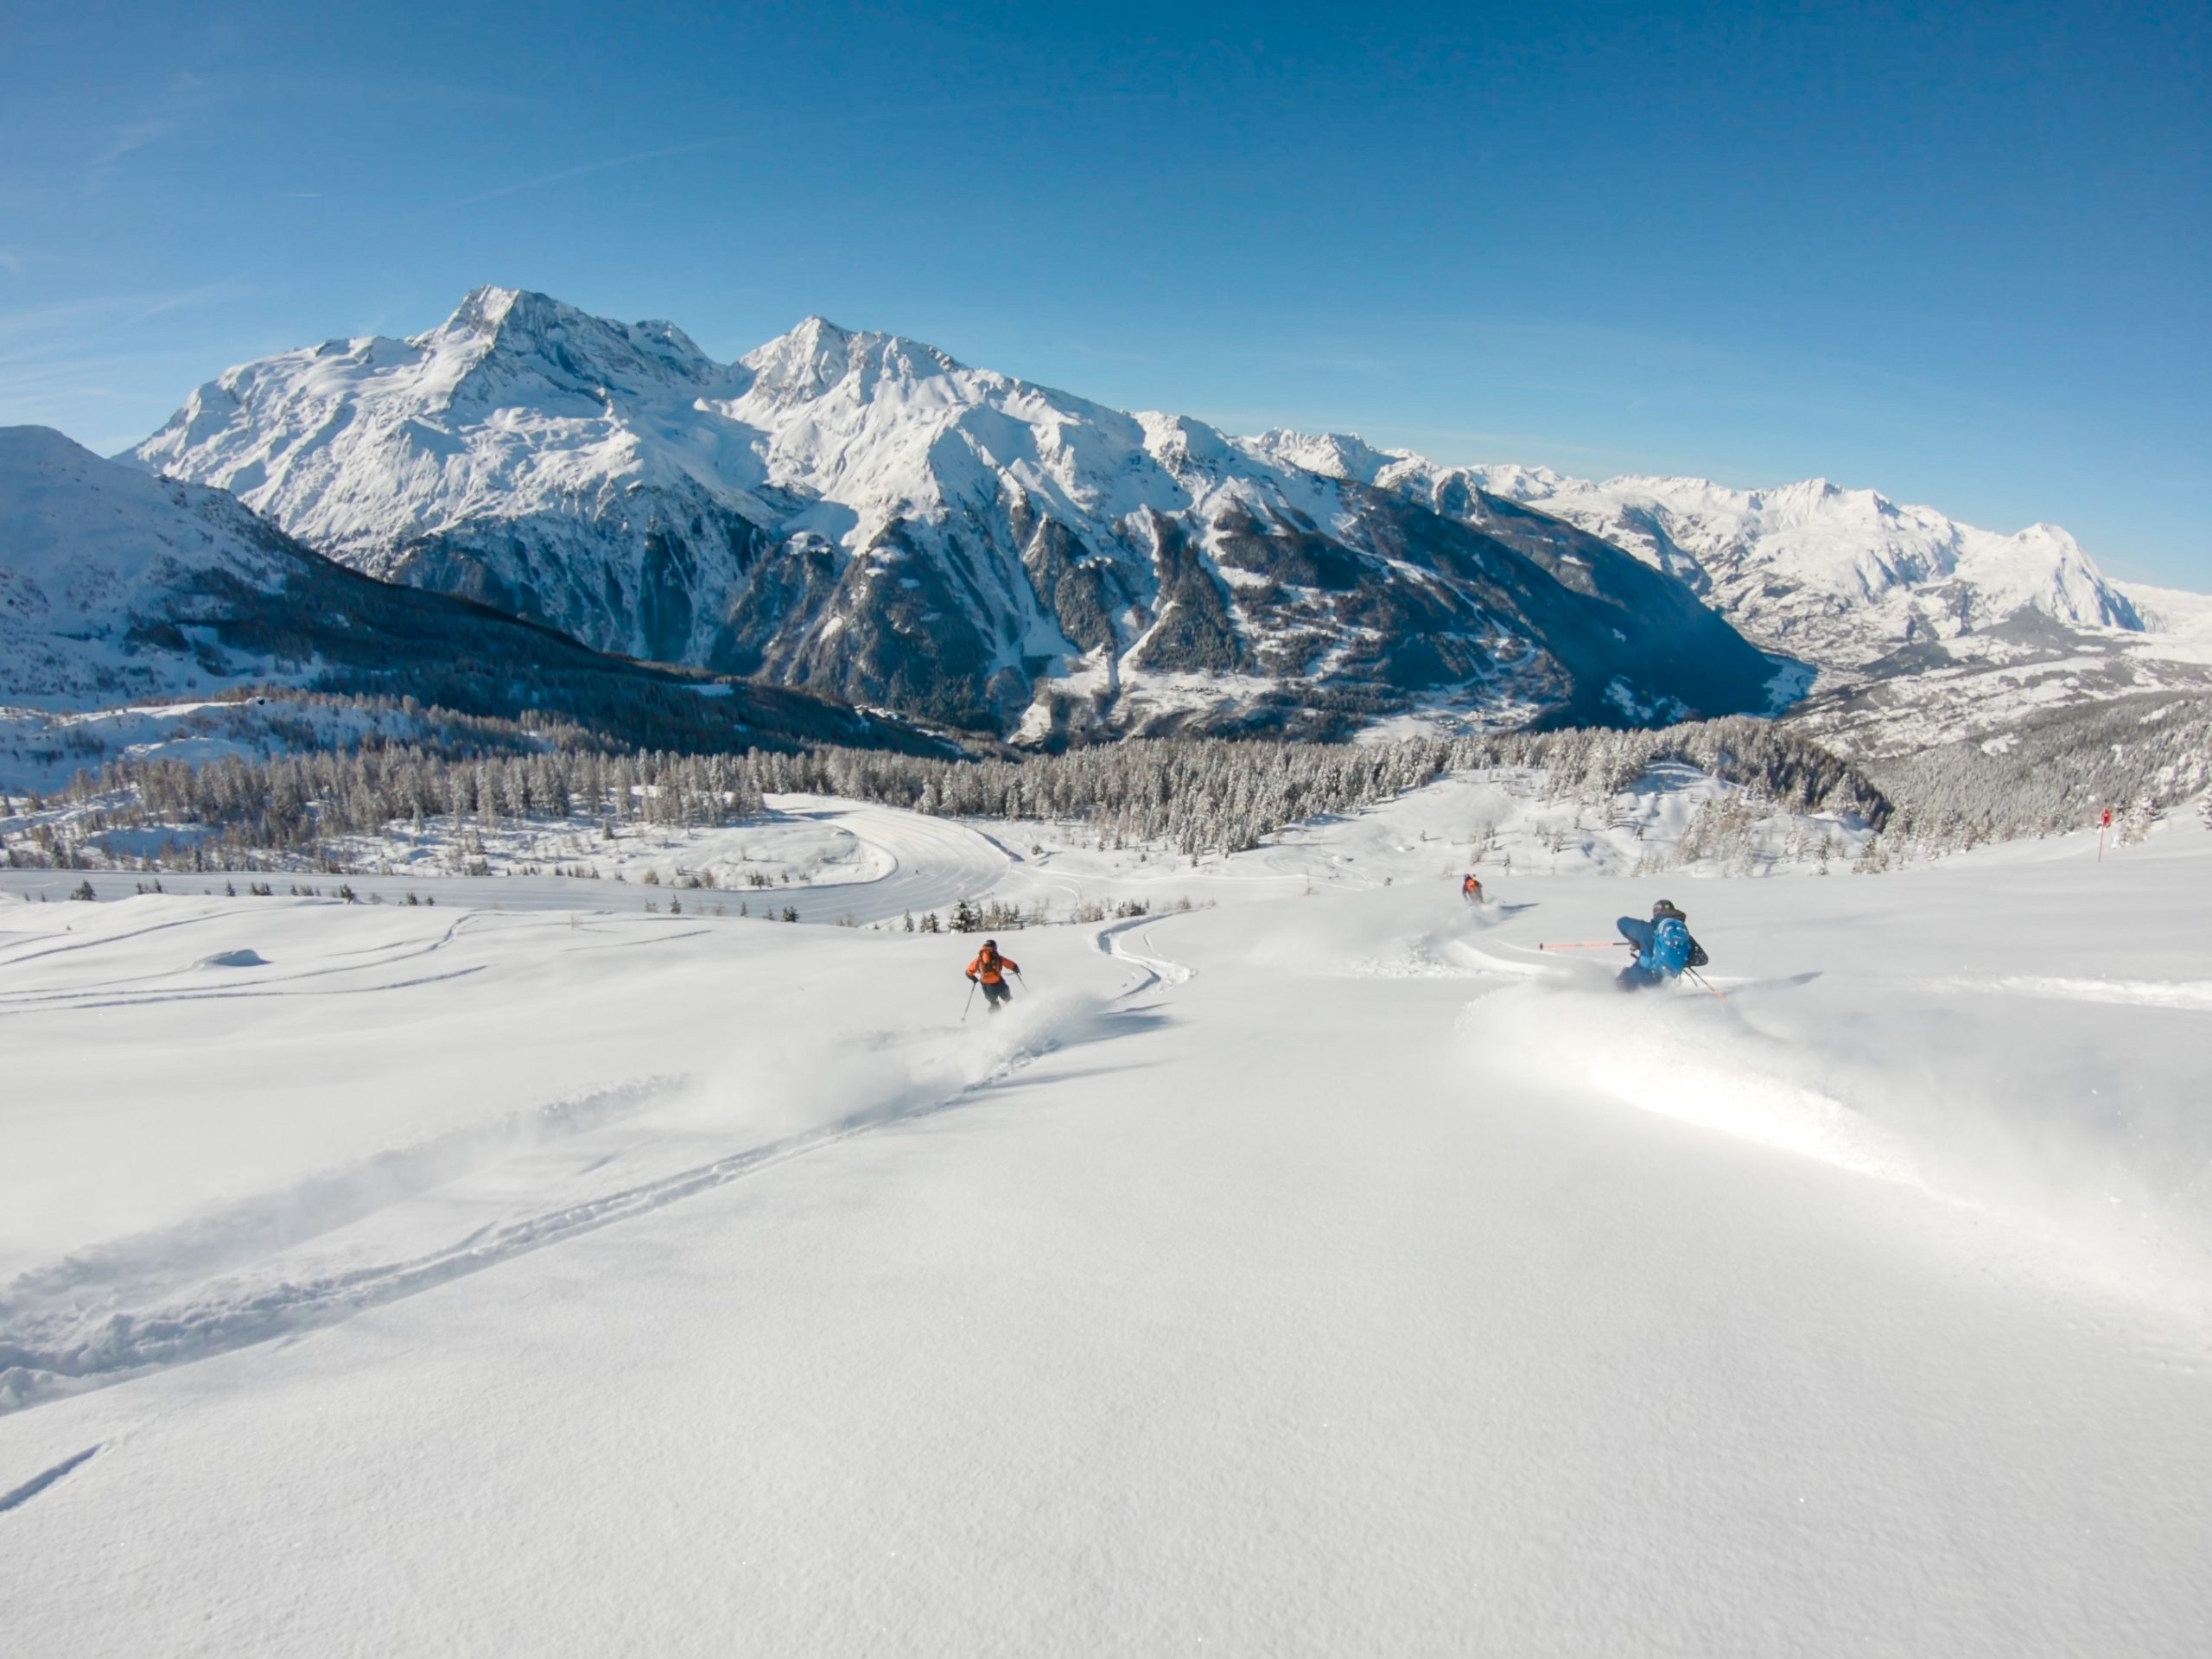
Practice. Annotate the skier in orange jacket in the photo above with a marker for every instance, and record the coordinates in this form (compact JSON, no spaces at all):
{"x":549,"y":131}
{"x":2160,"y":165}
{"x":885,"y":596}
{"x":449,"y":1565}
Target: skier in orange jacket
{"x":989,"y":970}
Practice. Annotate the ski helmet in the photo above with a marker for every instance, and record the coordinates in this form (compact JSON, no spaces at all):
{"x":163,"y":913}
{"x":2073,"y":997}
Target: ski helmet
{"x":990,"y":944}
{"x":1664,"y":907}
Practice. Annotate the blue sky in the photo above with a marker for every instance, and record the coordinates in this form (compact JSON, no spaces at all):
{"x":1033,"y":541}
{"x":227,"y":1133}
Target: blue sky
{"x":1956,"y":253}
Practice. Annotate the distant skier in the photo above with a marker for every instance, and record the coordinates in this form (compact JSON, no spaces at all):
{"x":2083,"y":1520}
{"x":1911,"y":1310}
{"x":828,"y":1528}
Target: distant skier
{"x":1663,"y":948}
{"x":989,"y":970}
{"x":1471,"y":889}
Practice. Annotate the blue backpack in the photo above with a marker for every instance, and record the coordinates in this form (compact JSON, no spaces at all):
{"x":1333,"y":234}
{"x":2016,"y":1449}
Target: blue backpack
{"x":1668,"y":953}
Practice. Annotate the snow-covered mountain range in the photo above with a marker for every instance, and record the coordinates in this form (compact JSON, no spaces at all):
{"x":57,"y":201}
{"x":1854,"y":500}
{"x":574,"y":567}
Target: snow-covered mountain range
{"x":119,"y":589}
{"x":860,"y":514}
{"x":1838,"y":578}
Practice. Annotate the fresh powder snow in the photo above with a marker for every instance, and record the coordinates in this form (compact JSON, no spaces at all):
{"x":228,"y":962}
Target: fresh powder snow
{"x":1326,"y":1267}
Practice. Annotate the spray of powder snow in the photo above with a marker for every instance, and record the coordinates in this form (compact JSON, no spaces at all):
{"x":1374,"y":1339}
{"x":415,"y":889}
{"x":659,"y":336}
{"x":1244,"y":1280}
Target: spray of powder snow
{"x":809,"y":1082}
{"x":2085,"y":1143}
{"x":358,"y":1238}
{"x":1695,"y":1061}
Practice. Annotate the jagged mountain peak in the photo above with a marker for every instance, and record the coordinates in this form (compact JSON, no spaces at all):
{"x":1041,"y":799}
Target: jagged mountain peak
{"x":861,"y":513}
{"x":1332,"y":454}
{"x":1807,"y":489}
{"x":498,"y":336}
{"x":1180,"y":442}
{"x":818,"y":356}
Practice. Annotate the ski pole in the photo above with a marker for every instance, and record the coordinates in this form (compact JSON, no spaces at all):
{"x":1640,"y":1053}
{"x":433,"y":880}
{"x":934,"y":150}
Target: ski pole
{"x":1718,"y":996}
{"x":1586,"y":944}
{"x":970,"y":1003}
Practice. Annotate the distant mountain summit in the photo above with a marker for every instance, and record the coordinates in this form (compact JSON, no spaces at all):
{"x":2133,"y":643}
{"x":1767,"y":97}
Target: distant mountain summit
{"x":861,"y":515}
{"x":1841,"y":578}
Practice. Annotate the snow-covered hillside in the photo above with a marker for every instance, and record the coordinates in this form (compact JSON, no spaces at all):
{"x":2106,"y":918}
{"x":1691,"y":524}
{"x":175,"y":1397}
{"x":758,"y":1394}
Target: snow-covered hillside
{"x":123,"y":594}
{"x":1331,"y":1269}
{"x":1836,"y":577}
{"x":860,"y":514}
{"x":113,"y":585}
{"x":1987,"y":686}
{"x":2174,"y":614}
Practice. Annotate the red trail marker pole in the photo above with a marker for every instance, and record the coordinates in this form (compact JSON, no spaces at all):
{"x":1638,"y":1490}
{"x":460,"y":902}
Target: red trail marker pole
{"x":2103,"y":829}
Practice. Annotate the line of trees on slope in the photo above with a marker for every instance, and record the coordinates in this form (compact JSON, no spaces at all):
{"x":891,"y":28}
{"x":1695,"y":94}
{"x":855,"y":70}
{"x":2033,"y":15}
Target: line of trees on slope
{"x":1197,"y":796}
{"x":2139,"y":756}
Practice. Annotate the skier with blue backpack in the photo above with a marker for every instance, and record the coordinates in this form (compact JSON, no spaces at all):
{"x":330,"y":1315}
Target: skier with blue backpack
{"x":1662,"y":945}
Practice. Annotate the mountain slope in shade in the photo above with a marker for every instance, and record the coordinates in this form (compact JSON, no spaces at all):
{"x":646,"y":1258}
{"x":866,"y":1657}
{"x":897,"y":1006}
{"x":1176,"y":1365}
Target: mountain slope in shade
{"x":1836,"y":577}
{"x":118,"y":587}
{"x":113,"y":585}
{"x":861,"y":515}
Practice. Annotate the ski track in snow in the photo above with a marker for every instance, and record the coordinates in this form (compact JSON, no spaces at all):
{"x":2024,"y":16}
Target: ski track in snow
{"x":1156,"y":970}
{"x":38,"y":1482}
{"x":1870,"y":1383}
{"x":140,"y":990}
{"x":151,"y":1266}
{"x":104,"y":1315}
{"x":70,"y":1327}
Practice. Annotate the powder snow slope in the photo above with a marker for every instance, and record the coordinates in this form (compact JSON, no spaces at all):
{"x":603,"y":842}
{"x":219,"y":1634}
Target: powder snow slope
{"x":1836,"y":577}
{"x":1308,"y":1274}
{"x":861,"y":514}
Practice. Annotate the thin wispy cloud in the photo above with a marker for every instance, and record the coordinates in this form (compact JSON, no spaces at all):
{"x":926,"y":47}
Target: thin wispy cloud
{"x":75,"y":330}
{"x":604,"y":165}
{"x":135,"y":135}
{"x":905,"y":114}
{"x":206,"y":294}
{"x":104,"y":370}
{"x":129,"y":139}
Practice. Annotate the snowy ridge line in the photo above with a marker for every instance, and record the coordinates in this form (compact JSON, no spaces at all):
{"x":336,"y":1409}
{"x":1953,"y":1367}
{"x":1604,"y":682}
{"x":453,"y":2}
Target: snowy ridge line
{"x":52,"y":1357}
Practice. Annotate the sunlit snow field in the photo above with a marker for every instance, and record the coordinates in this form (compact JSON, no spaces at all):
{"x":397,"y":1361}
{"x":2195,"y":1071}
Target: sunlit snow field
{"x":1322,"y":1268}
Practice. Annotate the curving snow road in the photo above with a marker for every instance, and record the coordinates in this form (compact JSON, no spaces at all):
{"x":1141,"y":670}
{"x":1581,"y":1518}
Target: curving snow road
{"x":934,"y":862}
